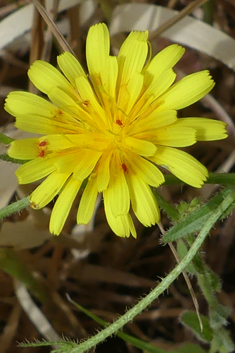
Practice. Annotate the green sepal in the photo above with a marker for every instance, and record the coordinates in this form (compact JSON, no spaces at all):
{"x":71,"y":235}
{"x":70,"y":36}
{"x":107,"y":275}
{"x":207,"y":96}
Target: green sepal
{"x":5,"y":139}
{"x":6,"y":158}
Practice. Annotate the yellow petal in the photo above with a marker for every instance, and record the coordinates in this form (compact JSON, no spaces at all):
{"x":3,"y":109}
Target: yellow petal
{"x":87,"y":203}
{"x":34,"y":170}
{"x":67,"y":162}
{"x":117,"y":193}
{"x":129,"y":95}
{"x":181,"y":164}
{"x":103,"y":171}
{"x":160,"y":84}
{"x":24,"y":103}
{"x":70,"y":67}
{"x":102,"y":67}
{"x":206,"y":129}
{"x":86,"y":163}
{"x":146,"y":104}
{"x":121,"y":225}
{"x":24,"y":149}
{"x":59,"y":142}
{"x":45,"y":76}
{"x":70,"y":105}
{"x":42,"y":125}
{"x":146,"y":170}
{"x":62,"y":99}
{"x":93,"y":140}
{"x":144,"y":148}
{"x":164,"y":60}
{"x":88,"y":95}
{"x":63,"y":205}
{"x":97,"y":48}
{"x":143,"y":201}
{"x":131,"y":57}
{"x":47,"y":190}
{"x":154,"y":121}
{"x":45,"y":119}
{"x":174,"y":136}
{"x":108,"y":77}
{"x":187,"y":91}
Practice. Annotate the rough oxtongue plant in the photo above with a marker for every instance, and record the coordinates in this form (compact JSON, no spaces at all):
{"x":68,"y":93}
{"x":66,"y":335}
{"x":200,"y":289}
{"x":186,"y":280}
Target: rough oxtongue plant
{"x":112,"y":127}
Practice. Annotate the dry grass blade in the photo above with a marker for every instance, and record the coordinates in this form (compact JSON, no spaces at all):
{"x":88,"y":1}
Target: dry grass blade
{"x":34,"y":313}
{"x":51,"y":24}
{"x":186,"y":11}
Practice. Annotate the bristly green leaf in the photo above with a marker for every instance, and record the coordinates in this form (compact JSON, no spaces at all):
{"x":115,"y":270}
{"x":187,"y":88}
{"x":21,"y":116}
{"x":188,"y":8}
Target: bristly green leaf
{"x":194,"y":222}
{"x":190,"y":320}
{"x":218,"y":315}
{"x":214,"y":279}
{"x":5,"y":139}
{"x":222,"y":342}
{"x":185,"y":208}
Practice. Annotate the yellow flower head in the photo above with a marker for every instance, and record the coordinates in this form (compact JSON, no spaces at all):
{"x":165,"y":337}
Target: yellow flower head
{"x":112,"y":127}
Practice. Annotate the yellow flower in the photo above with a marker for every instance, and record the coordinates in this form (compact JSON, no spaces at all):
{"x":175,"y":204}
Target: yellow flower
{"x":112,"y":127}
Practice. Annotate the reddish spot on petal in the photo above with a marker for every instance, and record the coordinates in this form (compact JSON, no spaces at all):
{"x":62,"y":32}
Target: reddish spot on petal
{"x":124,"y":167}
{"x":119,"y":122}
{"x":86,"y":103}
{"x":42,"y":154}
{"x":43,"y":143}
{"x":42,"y":148}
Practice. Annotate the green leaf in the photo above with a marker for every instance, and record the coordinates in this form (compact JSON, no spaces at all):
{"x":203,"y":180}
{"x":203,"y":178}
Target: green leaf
{"x":222,"y":342}
{"x":5,"y":139}
{"x":190,"y":320}
{"x":214,"y":279}
{"x":218,"y":315}
{"x":194,"y":222}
